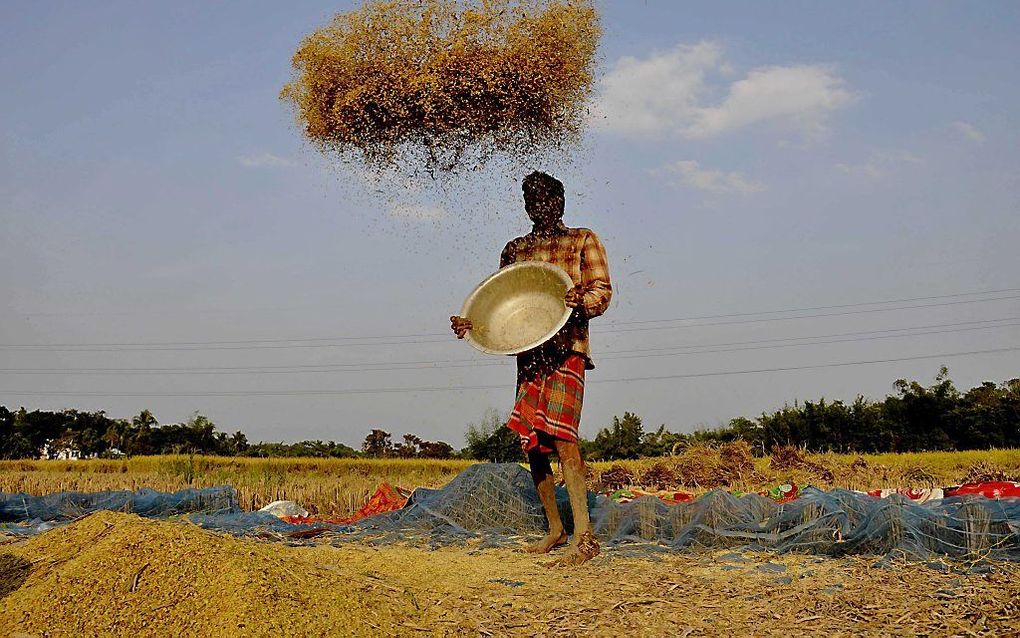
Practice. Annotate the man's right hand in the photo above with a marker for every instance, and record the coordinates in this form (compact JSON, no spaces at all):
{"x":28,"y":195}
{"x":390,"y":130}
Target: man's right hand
{"x":460,"y":326}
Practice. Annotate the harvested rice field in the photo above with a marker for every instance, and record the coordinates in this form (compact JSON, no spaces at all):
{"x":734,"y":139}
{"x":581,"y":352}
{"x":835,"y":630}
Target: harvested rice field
{"x":118,"y":574}
{"x":338,"y":487}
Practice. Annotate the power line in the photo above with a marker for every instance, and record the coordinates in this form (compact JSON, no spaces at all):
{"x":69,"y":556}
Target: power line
{"x":815,"y":316}
{"x":826,"y":336}
{"x":641,"y":353}
{"x":327,"y":307}
{"x":321,"y":342}
{"x":812,"y":308}
{"x":810,"y":343}
{"x":350,"y":391}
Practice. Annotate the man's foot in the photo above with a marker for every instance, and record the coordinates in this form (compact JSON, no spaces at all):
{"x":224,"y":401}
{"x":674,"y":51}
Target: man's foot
{"x":544,"y":546}
{"x":583,"y":549}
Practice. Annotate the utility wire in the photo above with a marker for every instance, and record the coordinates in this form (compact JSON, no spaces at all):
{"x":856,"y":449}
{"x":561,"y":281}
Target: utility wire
{"x":475,"y":363}
{"x":320,"y":342}
{"x":814,"y":316}
{"x":838,"y":306}
{"x":349,"y":391}
{"x":328,"y":307}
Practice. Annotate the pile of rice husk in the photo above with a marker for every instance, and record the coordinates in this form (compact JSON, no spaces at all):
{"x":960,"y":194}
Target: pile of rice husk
{"x":790,"y":457}
{"x":116,"y":574}
{"x":737,"y":462}
{"x":658,"y":477}
{"x":446,"y":84}
{"x":119,"y":574}
{"x":616,"y":477}
{"x":709,"y":466}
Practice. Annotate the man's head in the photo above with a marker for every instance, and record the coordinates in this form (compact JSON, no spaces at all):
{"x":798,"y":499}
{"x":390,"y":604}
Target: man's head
{"x":543,"y":198}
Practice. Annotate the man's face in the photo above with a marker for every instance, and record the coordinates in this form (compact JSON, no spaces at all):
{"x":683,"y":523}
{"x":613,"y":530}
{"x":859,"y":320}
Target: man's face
{"x":542,"y":208}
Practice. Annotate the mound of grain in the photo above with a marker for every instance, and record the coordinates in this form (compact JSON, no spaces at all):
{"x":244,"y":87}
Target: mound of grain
{"x":446,"y":84}
{"x":118,"y":574}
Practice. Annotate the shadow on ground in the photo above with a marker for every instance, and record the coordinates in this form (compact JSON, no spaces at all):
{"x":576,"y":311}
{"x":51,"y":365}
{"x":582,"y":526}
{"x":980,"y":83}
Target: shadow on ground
{"x":13,"y":573}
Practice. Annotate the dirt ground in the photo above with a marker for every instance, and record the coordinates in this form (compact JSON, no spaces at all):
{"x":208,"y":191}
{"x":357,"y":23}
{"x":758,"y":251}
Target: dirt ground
{"x":117,"y":574}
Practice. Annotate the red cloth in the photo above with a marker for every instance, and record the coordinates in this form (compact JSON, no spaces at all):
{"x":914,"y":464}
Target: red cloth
{"x":990,"y":489}
{"x":666,"y":496}
{"x":385,"y":499}
{"x":550,"y":403}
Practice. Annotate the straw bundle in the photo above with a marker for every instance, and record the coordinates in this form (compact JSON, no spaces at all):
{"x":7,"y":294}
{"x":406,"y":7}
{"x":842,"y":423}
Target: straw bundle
{"x":983,"y":471}
{"x":617,"y":477}
{"x":658,"y":477}
{"x":446,"y":84}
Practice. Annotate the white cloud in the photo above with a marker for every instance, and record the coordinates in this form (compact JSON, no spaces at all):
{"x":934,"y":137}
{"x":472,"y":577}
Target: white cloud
{"x":868,"y":170}
{"x":894,"y":156}
{"x":658,"y":93}
{"x":880,"y":163}
{"x":264,"y":160}
{"x":970,"y":131}
{"x":801,"y":96}
{"x":417,"y":212}
{"x":671,"y":93}
{"x":690,"y":174}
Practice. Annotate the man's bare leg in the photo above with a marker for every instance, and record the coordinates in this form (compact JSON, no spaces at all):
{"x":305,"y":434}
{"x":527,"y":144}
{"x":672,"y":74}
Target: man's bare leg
{"x":542,"y":475}
{"x":583,"y":546}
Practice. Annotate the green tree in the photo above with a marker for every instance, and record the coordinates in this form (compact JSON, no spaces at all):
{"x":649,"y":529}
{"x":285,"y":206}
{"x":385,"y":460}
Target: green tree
{"x":377,"y":443}
{"x":661,"y":442}
{"x":491,"y":440}
{"x":435,"y":450}
{"x":621,"y":441}
{"x":409,"y":448}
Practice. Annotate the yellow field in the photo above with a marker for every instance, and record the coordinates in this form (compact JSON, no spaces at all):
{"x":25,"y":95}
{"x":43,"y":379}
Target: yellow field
{"x":114,"y":574}
{"x":337,"y":487}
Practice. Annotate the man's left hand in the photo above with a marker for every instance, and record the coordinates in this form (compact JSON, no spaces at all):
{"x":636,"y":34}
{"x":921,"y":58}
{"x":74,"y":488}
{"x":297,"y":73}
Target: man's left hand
{"x":574,"y":297}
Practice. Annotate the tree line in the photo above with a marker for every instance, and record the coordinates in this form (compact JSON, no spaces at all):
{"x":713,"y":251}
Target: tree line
{"x":915,"y":418}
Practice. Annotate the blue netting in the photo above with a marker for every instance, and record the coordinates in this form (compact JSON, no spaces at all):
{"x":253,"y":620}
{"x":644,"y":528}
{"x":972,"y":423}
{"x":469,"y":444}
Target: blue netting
{"x":212,"y":507}
{"x":833,"y":523}
{"x":497,"y":505}
{"x":260,"y":524}
{"x":27,"y":514}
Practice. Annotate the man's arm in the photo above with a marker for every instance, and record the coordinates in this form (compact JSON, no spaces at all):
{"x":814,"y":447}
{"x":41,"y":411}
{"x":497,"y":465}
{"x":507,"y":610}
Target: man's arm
{"x":597,"y":288}
{"x":508,"y":256}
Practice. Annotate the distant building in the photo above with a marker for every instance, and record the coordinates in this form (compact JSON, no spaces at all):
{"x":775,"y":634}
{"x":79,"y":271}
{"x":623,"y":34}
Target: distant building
{"x":62,"y":453}
{"x":51,"y":452}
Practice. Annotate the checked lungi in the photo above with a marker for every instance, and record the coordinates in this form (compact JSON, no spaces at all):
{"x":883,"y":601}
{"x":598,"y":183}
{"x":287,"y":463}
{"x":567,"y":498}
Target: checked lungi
{"x":548,"y":402}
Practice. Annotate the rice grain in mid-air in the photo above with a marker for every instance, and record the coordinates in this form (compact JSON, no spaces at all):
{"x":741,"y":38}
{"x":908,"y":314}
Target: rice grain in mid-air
{"x":445,"y":86}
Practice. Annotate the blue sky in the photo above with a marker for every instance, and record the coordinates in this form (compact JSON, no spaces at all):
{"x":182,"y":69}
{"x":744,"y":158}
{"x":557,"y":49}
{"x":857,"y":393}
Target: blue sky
{"x":743,"y":158}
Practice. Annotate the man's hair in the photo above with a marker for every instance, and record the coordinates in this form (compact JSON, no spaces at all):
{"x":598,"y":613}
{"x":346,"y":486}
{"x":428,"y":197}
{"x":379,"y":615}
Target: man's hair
{"x":544,"y":183}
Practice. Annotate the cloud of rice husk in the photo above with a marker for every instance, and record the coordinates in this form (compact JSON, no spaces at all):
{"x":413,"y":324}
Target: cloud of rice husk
{"x":444,"y":86}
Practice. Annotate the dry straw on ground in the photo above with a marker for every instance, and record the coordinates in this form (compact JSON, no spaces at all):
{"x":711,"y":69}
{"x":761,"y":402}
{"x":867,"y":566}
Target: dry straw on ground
{"x":446,"y":84}
{"x":987,"y":471}
{"x":116,"y":574}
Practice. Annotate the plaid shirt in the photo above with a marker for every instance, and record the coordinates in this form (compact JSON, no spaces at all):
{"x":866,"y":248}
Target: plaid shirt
{"x":579,"y":252}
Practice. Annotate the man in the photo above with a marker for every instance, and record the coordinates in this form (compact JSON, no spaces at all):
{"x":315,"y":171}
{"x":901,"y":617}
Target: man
{"x":550,"y":378}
